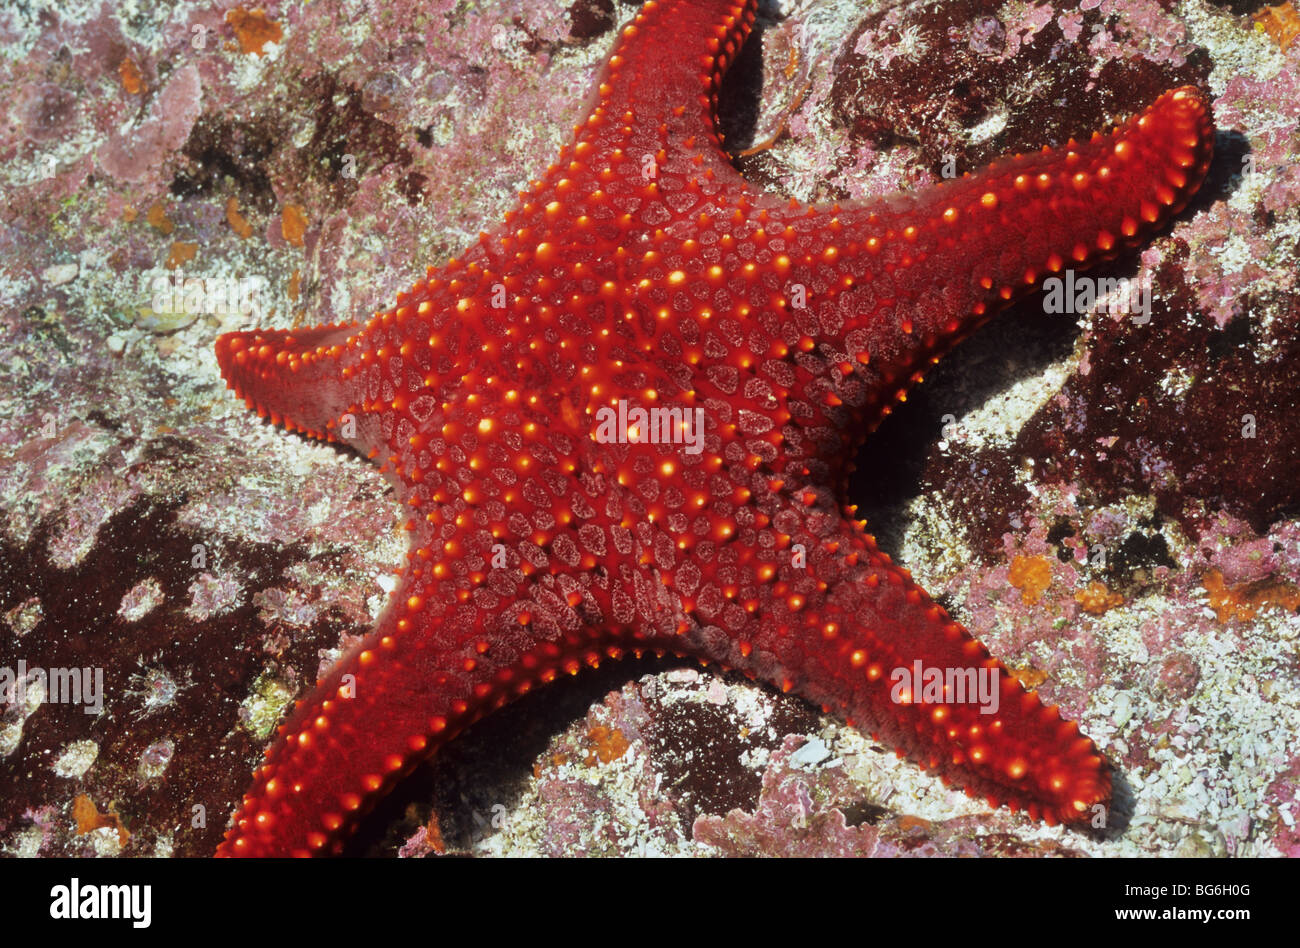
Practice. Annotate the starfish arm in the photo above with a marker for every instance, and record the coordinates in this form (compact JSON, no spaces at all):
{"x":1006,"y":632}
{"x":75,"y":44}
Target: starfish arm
{"x":430,"y":668}
{"x":660,"y":83}
{"x":826,"y":615}
{"x":301,"y":798}
{"x":301,"y":378}
{"x":647,"y":152}
{"x":894,"y":285}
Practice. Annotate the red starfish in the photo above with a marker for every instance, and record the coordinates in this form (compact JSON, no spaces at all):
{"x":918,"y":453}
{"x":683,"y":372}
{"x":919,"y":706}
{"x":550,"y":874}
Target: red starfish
{"x":643,"y":272}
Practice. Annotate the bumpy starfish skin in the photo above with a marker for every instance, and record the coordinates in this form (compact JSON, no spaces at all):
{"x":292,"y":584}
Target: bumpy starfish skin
{"x":643,"y":268}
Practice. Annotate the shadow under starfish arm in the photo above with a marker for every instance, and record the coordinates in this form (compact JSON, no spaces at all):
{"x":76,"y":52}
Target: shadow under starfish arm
{"x":642,"y":274}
